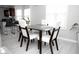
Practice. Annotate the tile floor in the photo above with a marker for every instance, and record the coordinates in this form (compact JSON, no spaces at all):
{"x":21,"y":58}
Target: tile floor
{"x":10,"y":42}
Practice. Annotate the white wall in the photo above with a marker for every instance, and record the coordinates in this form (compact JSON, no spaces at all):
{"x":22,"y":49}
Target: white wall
{"x":1,"y":16}
{"x":38,"y":12}
{"x":1,"y":13}
{"x":73,"y":15}
{"x":69,"y":35}
{"x":22,"y":7}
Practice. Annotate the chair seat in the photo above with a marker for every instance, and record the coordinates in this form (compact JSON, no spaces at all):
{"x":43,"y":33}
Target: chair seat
{"x":33,"y":35}
{"x":45,"y":38}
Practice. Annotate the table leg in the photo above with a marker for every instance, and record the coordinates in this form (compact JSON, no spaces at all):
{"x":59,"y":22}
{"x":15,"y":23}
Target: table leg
{"x":40,"y":41}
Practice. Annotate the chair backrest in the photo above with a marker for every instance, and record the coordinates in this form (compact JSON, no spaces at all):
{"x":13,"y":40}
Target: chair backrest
{"x":54,"y":34}
{"x":22,"y":23}
{"x":24,"y":29}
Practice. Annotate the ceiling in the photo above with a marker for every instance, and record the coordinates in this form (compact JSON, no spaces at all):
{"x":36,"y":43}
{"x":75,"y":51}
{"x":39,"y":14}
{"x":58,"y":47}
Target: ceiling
{"x":6,"y":6}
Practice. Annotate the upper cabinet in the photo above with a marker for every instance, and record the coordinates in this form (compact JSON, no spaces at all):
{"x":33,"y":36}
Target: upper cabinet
{"x":9,"y":12}
{"x":12,"y":11}
{"x":6,"y":13}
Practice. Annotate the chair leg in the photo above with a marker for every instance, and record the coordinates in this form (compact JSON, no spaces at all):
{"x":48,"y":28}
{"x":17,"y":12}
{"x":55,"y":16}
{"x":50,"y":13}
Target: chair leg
{"x":51,"y":48}
{"x":27,"y":44}
{"x":56,"y":44}
{"x":52,"y":43}
{"x":49,"y":32}
{"x":45,"y":43}
{"x":21,"y":42}
{"x":31,"y":41}
{"x":38,"y":44}
{"x":24,"y":39}
{"x":19,"y":37}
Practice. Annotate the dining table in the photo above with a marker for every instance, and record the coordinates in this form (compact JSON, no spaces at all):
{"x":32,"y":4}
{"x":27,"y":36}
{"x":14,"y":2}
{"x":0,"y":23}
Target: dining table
{"x":40,"y":28}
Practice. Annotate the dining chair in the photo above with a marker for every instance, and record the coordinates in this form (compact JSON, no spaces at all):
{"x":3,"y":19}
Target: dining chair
{"x":20,"y":34}
{"x":50,"y":38}
{"x":26,"y":34}
{"x":19,"y":27}
{"x":55,"y":37}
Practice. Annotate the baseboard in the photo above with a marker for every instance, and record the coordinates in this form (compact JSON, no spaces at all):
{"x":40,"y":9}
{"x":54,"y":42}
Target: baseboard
{"x":66,"y":39}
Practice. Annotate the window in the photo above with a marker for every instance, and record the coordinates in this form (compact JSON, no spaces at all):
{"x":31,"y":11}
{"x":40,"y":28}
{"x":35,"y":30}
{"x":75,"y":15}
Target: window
{"x":56,"y":15}
{"x":27,"y":14}
{"x":18,"y":14}
{"x":22,"y":13}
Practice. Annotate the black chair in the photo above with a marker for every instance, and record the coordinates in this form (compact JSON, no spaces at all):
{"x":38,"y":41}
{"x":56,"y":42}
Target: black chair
{"x":50,"y":38}
{"x":26,"y":35}
{"x":55,"y":38}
